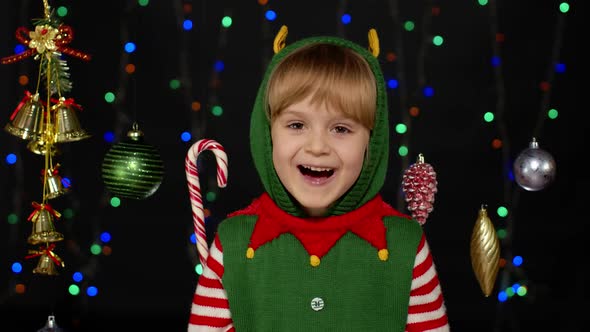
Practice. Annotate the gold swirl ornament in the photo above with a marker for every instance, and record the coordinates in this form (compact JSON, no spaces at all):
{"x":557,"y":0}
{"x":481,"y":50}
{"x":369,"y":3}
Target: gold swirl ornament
{"x":485,"y":252}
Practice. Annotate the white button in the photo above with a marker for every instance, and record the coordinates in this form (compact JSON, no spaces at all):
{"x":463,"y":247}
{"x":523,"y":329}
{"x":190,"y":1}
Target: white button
{"x":317,"y":304}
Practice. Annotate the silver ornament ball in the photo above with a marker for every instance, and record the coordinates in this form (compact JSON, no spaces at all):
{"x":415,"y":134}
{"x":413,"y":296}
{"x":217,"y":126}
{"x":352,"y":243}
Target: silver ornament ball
{"x":534,"y":168}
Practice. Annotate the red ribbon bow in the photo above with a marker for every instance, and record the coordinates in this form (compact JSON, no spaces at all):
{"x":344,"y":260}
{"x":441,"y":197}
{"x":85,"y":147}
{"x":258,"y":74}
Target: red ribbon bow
{"x":43,"y":250}
{"x":38,"y":207}
{"x":67,"y":102}
{"x":64,"y":37}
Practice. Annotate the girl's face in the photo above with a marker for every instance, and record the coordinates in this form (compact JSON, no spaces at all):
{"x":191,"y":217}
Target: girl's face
{"x":318,"y":153}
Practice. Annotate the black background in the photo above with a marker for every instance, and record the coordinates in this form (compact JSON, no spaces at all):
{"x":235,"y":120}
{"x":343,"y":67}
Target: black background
{"x":148,"y":280}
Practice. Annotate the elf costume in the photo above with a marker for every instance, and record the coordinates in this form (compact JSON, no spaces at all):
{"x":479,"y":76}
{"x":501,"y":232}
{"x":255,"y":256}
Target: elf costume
{"x":362,"y":267}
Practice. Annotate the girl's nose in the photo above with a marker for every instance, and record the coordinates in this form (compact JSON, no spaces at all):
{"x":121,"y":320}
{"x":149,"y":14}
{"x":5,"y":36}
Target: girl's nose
{"x":317,"y":143}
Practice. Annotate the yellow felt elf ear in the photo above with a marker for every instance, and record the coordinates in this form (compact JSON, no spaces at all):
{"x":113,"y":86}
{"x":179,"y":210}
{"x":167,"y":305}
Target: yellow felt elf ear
{"x":373,"y":42}
{"x":280,"y":38}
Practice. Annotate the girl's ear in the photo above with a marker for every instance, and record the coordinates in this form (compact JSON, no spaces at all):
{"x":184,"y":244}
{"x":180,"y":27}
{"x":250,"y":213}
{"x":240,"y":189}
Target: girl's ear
{"x":280,"y":38}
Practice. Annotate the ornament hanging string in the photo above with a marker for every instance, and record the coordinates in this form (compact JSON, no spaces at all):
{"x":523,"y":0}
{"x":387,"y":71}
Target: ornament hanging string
{"x":194,"y":188}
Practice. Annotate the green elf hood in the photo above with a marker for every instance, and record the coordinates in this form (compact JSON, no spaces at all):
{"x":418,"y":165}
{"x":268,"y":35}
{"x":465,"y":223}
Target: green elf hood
{"x":374,"y":169}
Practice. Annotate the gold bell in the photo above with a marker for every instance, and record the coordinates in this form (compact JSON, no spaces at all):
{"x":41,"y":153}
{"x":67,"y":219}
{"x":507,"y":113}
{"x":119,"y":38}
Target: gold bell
{"x":27,"y":121}
{"x":40,"y":146}
{"x":67,"y":125}
{"x":46,"y":266}
{"x":55,"y":187}
{"x":43,"y":229}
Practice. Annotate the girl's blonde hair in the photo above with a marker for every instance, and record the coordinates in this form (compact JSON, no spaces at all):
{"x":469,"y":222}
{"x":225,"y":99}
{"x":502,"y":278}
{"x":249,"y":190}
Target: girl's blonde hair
{"x":328,"y":73}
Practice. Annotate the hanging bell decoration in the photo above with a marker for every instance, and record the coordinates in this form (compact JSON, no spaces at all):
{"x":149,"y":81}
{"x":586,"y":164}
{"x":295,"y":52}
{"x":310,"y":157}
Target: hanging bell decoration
{"x":534,"y":168}
{"x":67,"y":125}
{"x":485,"y":252}
{"x":43,"y":227}
{"x":53,"y":183}
{"x":40,"y":145}
{"x":47,"y":260}
{"x":46,"y":266}
{"x":26,"y":122}
{"x":50,"y":325}
{"x":132,"y":168}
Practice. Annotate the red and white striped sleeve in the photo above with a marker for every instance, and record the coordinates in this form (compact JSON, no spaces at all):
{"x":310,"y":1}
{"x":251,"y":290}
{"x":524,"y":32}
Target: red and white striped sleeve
{"x":210,"y":308}
{"x":427,"y":311}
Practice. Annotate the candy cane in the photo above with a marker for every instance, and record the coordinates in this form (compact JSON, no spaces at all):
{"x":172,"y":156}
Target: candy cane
{"x":194,"y":188}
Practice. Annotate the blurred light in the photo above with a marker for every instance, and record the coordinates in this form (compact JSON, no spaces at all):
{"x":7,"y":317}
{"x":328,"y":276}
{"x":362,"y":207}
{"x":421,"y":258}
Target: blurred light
{"x":564,"y":7}
{"x":552,"y":114}
{"x":402,"y":150}
{"x":482,"y":2}
{"x":66,"y":182}
{"x":23,"y":80}
{"x":488,"y":117}
{"x":560,"y":68}
{"x":62,"y":11}
{"x":185,"y":136}
{"x":517,"y":261}
{"x":211,"y":196}
{"x":510,"y":291}
{"x":502,"y":296}
{"x":496,"y":61}
{"x":12,"y":218}
{"x":109,"y":97}
{"x":217,"y":110}
{"x":270,"y":15}
{"x":115,"y":201}
{"x":437,"y":40}
{"x":130,"y":68}
{"x":409,"y":26}
{"x":143,"y":3}
{"x":226,"y":21}
{"x":105,"y":237}
{"x":109,"y":137}
{"x":346,"y":18}
{"x":414,"y":111}
{"x":193,"y":238}
{"x":196,"y":106}
{"x":401,"y":128}
{"x":77,"y":276}
{"x":95,"y":249}
{"x":129,"y":47}
{"x":218,"y":66}
{"x":522,"y":291}
{"x":107,"y":250}
{"x":544,"y":86}
{"x":17,"y":267}
{"x":91,"y":291}
{"x":199,"y":269}
{"x":502,"y":211}
{"x":428,"y":91}
{"x":68,"y":213}
{"x":501,"y":233}
{"x":515,"y":287}
{"x":390,"y":57}
{"x":496,"y":143}
{"x":19,"y":48}
{"x":187,"y":25}
{"x":74,"y":290}
{"x":20,"y":288}
{"x":392,"y":83}
{"x":11,"y":158}
{"x":262,"y":2}
{"x":174,"y":84}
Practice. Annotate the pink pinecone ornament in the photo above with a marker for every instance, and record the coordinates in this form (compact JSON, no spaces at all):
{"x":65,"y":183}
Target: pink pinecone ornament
{"x":419,"y":185}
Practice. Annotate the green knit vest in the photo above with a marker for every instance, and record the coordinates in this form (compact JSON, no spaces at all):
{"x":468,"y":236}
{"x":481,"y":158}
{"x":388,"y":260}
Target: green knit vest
{"x":274,"y":290}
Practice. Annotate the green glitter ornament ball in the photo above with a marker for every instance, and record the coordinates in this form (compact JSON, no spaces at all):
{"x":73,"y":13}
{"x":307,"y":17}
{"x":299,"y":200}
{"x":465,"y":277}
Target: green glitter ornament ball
{"x":132,"y":168}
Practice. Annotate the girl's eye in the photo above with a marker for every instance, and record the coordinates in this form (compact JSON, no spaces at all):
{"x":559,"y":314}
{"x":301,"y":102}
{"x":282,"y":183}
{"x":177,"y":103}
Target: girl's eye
{"x":341,"y":130}
{"x":295,"y":125}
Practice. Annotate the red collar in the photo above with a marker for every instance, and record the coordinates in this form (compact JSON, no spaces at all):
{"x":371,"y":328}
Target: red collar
{"x":318,"y":235}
